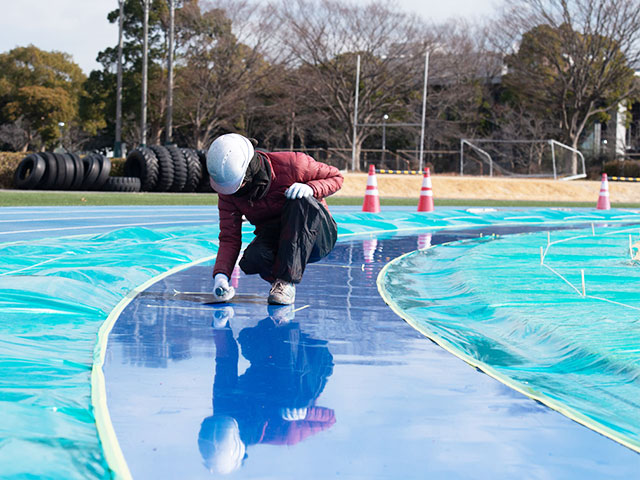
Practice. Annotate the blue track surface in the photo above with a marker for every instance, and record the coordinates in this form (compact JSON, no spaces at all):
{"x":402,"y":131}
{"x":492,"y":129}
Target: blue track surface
{"x":402,"y":407}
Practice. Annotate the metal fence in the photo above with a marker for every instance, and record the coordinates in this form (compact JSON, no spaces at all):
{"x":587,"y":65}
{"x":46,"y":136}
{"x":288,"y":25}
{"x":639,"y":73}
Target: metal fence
{"x":521,"y":158}
{"x":440,"y":161}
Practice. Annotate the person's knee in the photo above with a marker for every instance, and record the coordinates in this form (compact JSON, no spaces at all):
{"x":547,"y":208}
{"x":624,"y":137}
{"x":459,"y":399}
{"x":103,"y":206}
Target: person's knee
{"x":301,"y":204}
{"x":248,"y":265}
{"x":255,"y":259}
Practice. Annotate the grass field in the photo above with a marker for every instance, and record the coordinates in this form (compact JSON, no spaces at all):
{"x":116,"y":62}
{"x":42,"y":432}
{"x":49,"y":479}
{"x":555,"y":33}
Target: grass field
{"x":13,"y":198}
{"x":394,"y":190}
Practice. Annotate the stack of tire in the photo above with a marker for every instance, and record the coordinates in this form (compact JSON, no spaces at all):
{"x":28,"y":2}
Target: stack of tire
{"x":168,"y":169}
{"x":67,"y":171}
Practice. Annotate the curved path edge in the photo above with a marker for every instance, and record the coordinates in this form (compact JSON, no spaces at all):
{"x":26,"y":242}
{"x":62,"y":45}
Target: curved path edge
{"x":110,"y":445}
{"x":351,"y":224}
{"x":487,"y":369}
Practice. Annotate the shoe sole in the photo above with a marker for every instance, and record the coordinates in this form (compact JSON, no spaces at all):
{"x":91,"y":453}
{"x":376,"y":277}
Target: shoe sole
{"x":273,"y":301}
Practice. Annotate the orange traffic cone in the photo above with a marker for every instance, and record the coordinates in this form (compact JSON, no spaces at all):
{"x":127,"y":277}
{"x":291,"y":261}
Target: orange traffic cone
{"x":603,"y":199}
{"x":426,"y":194}
{"x":371,"y":196}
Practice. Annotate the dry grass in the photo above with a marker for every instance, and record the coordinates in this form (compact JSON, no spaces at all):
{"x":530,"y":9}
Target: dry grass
{"x":9,"y":161}
{"x":486,"y":188}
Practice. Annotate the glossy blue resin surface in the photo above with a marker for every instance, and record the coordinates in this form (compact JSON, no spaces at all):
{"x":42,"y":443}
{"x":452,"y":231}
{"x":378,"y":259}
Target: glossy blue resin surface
{"x":341,"y":388}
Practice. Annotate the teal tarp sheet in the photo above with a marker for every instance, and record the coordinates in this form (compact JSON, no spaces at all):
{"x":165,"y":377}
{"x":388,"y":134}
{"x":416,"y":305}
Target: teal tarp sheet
{"x":516,"y":307}
{"x":55,"y":293}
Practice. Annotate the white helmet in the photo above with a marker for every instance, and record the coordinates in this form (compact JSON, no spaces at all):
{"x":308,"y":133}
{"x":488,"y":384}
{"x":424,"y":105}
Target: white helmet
{"x":227,"y":161}
{"x":220,"y":444}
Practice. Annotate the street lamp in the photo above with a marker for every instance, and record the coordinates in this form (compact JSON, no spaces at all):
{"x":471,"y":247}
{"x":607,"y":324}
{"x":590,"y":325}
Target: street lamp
{"x":384,"y":136}
{"x":61,"y":126}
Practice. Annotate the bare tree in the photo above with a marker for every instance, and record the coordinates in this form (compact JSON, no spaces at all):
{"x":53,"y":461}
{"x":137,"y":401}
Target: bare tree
{"x":462,"y":74}
{"x":16,"y":135}
{"x":570,"y":60}
{"x":220,"y":65}
{"x":323,"y":39}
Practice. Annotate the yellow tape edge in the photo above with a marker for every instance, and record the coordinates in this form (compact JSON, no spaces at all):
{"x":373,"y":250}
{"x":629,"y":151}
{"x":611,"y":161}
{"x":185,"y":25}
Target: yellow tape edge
{"x":110,"y":445}
{"x":509,"y":382}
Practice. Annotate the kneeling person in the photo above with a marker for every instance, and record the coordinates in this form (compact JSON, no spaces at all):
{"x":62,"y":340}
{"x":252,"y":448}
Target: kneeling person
{"x":282,"y":195}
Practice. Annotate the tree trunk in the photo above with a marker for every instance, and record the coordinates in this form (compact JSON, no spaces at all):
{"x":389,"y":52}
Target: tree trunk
{"x":292,"y":130}
{"x":574,"y":158}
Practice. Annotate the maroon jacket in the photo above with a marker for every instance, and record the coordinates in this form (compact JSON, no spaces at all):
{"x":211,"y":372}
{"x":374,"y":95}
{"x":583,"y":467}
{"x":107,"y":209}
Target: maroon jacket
{"x":287,"y":168}
{"x":282,"y":432}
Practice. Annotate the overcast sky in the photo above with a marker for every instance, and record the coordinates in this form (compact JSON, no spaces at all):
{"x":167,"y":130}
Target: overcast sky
{"x":81,"y":27}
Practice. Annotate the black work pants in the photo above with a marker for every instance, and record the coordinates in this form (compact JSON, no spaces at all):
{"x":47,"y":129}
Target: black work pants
{"x":304,"y":233}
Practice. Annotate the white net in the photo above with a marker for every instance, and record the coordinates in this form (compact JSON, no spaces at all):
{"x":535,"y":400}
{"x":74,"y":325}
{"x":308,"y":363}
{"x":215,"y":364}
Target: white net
{"x":520,"y":158}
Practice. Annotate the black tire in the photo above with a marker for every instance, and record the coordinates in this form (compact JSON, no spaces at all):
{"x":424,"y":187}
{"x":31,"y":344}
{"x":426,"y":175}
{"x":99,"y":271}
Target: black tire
{"x":165,"y":179}
{"x":204,"y":186}
{"x":122,"y":184}
{"x":48,"y":182}
{"x":66,"y":171}
{"x":78,"y":171}
{"x":105,"y":169}
{"x":91,"y":171}
{"x":70,"y":167}
{"x":142,"y":163}
{"x":179,"y":168}
{"x":29,"y":172}
{"x":194,"y":170}
{"x":61,"y":176}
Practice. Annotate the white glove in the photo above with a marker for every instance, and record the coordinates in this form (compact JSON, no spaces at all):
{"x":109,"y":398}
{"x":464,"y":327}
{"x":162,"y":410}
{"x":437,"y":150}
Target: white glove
{"x":222,"y":315}
{"x":298,"y":190}
{"x":293,"y":414}
{"x":222,"y":291}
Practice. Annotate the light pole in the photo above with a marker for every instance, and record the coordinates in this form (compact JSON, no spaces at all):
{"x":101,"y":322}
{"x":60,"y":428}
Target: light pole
{"x":355,"y":165}
{"x":61,"y":126}
{"x":424,"y":108}
{"x":385,"y":117}
{"x":145,"y":54}
{"x":169,"y":128}
{"x":117,"y":148}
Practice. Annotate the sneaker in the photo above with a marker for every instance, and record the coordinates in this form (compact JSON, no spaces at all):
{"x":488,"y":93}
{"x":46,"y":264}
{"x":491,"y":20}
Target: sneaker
{"x":282,"y":293}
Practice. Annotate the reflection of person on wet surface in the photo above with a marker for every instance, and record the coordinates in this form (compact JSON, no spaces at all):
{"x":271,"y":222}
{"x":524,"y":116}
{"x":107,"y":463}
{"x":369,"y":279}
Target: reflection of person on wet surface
{"x":273,"y":401}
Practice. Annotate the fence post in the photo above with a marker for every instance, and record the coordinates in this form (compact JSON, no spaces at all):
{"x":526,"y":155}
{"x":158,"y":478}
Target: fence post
{"x":553,"y":159}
